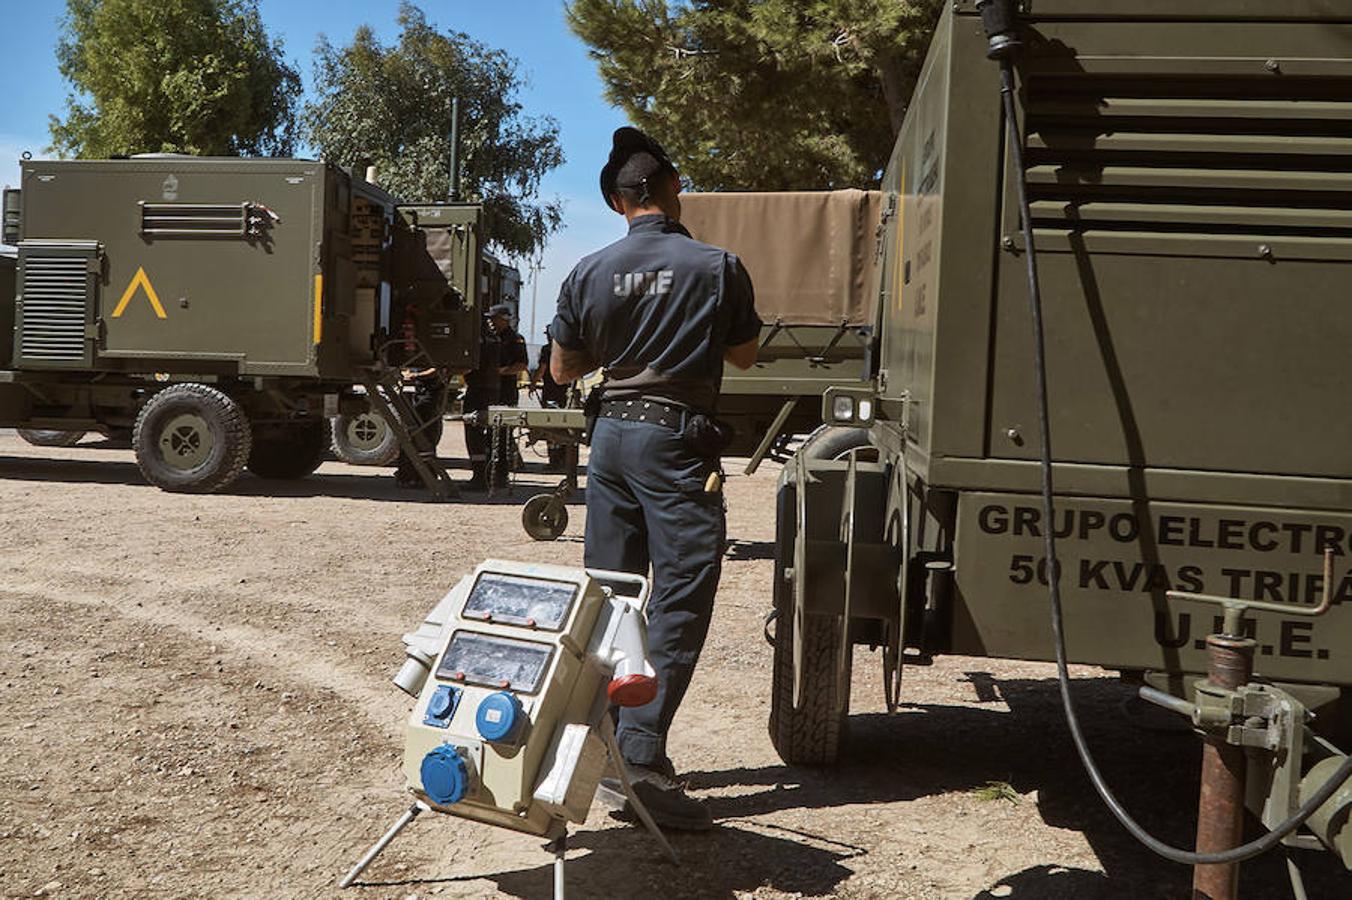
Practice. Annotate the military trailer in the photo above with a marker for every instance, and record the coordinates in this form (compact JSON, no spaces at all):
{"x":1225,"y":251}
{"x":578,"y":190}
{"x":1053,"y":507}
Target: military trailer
{"x":219,"y":310}
{"x":1187,"y":165}
{"x":810,"y":255}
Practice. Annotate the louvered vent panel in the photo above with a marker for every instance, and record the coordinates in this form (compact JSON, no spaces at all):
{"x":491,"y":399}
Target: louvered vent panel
{"x":1210,"y":156}
{"x":53,"y":318}
{"x":195,"y":219}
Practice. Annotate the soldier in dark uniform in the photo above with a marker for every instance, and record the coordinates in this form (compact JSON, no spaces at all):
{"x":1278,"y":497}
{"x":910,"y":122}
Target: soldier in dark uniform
{"x":660,"y":313}
{"x":552,"y":395}
{"x":427,"y":385}
{"x":481,"y":392}
{"x":514,"y":360}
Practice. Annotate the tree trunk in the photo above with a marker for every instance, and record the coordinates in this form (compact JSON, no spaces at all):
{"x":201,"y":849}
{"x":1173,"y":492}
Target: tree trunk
{"x":896,"y":85}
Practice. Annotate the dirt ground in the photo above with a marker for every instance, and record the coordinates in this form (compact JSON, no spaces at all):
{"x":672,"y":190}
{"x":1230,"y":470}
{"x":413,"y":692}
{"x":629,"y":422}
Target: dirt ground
{"x":196,"y":703}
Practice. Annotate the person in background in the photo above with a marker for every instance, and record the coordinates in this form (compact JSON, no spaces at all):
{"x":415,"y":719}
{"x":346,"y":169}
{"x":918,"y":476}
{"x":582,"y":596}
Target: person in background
{"x":481,"y":392}
{"x":513,"y":360}
{"x":427,"y":385}
{"x":552,"y":395}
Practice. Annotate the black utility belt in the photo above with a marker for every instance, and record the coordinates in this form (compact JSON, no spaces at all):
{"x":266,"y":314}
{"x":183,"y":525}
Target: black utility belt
{"x":641,"y":409}
{"x":700,"y":432}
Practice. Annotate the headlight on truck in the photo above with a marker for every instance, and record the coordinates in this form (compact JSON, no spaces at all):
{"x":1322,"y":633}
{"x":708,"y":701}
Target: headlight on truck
{"x":851,"y":407}
{"x":842,"y":409}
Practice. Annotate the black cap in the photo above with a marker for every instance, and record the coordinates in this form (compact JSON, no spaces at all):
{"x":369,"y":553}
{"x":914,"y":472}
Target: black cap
{"x":647,"y":156}
{"x":500,"y":309}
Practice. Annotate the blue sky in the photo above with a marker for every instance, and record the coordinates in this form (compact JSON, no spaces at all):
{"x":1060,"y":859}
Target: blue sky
{"x":561,"y":81}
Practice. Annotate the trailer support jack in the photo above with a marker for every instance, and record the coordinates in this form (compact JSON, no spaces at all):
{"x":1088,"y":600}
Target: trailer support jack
{"x":1220,"y":806}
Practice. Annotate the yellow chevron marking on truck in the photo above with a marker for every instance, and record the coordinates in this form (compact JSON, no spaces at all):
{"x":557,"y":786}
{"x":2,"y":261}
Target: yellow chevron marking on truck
{"x":140,"y":280}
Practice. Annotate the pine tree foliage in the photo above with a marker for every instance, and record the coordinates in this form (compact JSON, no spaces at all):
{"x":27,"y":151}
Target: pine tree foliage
{"x":391,"y":105}
{"x":185,"y":76}
{"x":762,"y":94}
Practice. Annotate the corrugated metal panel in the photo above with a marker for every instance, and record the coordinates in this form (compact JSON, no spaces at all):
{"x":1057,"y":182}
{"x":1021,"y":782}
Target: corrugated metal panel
{"x":1195,"y":156}
{"x":56,"y":294}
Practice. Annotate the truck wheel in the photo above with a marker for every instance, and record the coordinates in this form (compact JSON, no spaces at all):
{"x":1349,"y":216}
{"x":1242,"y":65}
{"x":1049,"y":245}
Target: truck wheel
{"x":292,"y":451}
{"x":364,"y":439}
{"x":191,"y":438}
{"x":813,"y":734}
{"x":834,"y":442}
{"x":46,"y":437}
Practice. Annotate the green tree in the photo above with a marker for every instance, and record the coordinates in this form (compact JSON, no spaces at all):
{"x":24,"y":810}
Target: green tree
{"x":762,"y":94}
{"x":185,"y":76}
{"x":391,"y":105}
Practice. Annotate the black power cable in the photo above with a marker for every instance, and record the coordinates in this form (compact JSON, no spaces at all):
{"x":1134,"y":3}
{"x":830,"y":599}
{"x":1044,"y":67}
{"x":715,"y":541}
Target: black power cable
{"x":1003,"y":44}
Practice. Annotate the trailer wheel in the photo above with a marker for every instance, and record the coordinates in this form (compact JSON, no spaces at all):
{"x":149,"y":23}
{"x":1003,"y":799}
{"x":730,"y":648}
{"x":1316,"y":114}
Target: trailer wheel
{"x":364,"y":439}
{"x":834,"y":442}
{"x":191,"y":438}
{"x":292,"y":451}
{"x":814,"y":733}
{"x":47,"y":437}
{"x":544,"y":517}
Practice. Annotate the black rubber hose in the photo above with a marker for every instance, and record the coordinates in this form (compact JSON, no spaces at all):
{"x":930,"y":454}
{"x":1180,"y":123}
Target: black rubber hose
{"x":1186,"y":857}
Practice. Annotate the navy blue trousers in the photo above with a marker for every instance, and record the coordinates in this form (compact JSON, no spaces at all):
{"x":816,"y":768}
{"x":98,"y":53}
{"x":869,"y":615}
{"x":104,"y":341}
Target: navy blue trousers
{"x":646,"y":506}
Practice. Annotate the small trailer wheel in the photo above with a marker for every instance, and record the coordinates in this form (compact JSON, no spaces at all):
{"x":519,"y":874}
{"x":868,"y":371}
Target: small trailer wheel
{"x":544,"y":517}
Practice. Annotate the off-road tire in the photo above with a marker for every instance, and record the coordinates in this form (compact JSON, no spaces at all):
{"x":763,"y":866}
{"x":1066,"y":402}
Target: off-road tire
{"x":834,"y":442}
{"x":814,"y":734}
{"x":386,"y":453}
{"x":48,"y":437}
{"x":226,"y":427}
{"x":292,"y":451}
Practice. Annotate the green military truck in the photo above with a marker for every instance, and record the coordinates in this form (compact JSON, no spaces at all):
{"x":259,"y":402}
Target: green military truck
{"x":1187,"y":169}
{"x":219,"y":311}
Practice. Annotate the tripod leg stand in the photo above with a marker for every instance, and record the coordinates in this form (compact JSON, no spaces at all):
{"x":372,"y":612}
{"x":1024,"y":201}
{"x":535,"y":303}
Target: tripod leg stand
{"x":558,"y":845}
{"x":613,"y":746}
{"x":409,"y":815}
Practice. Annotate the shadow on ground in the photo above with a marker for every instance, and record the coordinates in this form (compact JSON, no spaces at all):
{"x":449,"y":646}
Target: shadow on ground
{"x":934,"y":749}
{"x":369,"y":486}
{"x":750,"y":550}
{"x":733,"y":860}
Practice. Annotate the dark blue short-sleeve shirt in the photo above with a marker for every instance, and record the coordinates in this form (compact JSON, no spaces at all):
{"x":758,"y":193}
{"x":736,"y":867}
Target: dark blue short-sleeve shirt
{"x":657,"y":309}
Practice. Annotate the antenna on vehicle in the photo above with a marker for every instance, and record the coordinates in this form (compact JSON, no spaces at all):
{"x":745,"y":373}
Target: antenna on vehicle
{"x":455,"y":150}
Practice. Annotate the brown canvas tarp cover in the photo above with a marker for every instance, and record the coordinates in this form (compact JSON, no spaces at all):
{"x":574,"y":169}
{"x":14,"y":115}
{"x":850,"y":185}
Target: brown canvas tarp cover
{"x":809,"y":253}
